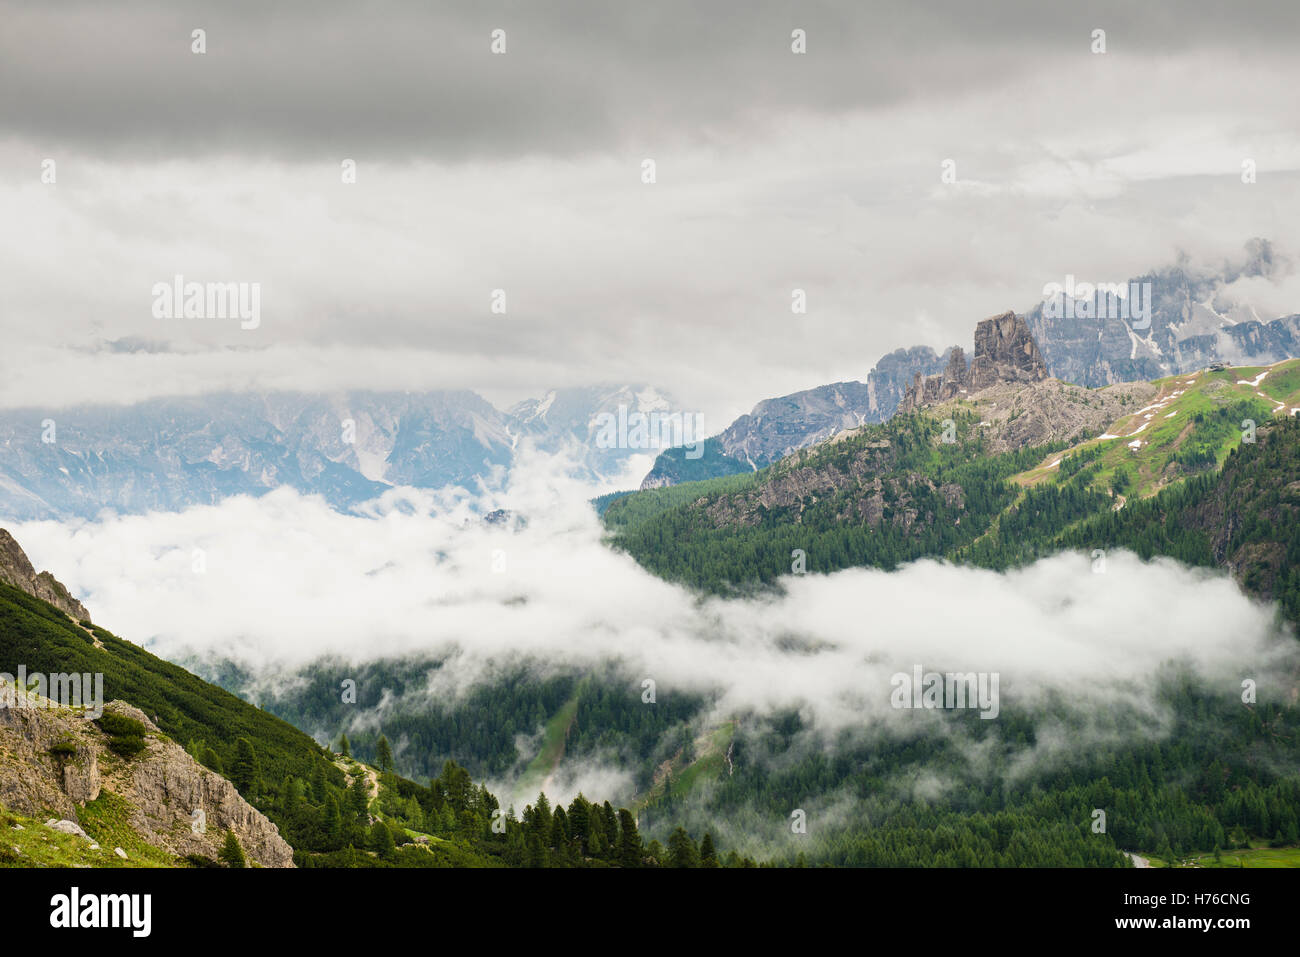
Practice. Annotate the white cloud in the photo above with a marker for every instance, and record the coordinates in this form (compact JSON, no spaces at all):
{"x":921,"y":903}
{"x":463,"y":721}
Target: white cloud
{"x":289,"y":580}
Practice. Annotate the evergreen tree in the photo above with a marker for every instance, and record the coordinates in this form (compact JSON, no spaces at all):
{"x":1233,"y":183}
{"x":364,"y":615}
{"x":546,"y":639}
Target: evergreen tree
{"x":332,"y":824}
{"x":244,"y":773}
{"x":708,"y":856}
{"x":381,"y":841}
{"x":232,"y":855}
{"x":383,"y":756}
{"x":630,"y":850}
{"x":359,"y":798}
{"x":212,"y":760}
{"x":318,"y":791}
{"x":681,"y":849}
{"x":540,"y":822}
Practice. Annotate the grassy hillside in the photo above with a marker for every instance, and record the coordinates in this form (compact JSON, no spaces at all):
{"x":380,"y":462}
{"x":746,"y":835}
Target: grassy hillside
{"x":1189,"y":428}
{"x":896,"y":492}
{"x":184,"y":706}
{"x":335,"y":812}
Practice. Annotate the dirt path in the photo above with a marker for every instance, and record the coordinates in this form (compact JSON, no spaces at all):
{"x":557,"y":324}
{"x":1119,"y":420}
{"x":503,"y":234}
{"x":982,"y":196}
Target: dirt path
{"x":1137,"y":859}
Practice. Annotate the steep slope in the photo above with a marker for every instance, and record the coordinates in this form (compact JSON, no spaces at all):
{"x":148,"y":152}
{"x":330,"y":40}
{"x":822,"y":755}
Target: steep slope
{"x":1244,"y":518}
{"x":997,"y":476}
{"x":224,"y":732}
{"x":779,"y":426}
{"x":55,"y":761}
{"x":17,"y":570}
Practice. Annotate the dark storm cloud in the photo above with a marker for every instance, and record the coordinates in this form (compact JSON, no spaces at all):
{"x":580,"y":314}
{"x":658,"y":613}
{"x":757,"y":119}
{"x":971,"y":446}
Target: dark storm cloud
{"x":416,"y":80}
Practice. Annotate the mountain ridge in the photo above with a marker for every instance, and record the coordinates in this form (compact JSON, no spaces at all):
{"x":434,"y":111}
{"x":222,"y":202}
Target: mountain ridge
{"x":1091,"y":348}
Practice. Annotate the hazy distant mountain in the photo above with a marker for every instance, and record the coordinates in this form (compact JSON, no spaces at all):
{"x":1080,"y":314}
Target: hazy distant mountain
{"x":776,"y":427}
{"x":172,"y":453}
{"x":1190,"y":327}
{"x":571,"y":419}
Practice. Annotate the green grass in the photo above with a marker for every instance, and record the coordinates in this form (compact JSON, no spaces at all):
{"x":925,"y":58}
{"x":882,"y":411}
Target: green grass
{"x":1283,"y":383}
{"x":552,"y":749}
{"x":1153,"y":466}
{"x":709,"y":764}
{"x":1255,"y":856}
{"x":708,"y":767}
{"x":105,"y":820}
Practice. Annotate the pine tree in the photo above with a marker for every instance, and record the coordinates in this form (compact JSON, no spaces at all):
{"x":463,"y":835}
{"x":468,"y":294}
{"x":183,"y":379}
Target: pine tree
{"x":244,"y":773}
{"x":381,"y":840}
{"x":318,"y":791}
{"x":332,"y":823}
{"x":541,"y":818}
{"x":212,"y":760}
{"x":681,"y":849}
{"x":708,"y":856}
{"x":232,"y":855}
{"x":655,"y":852}
{"x":383,"y":755}
{"x":630,"y":850}
{"x":580,"y":819}
{"x":344,"y":747}
{"x":359,"y":798}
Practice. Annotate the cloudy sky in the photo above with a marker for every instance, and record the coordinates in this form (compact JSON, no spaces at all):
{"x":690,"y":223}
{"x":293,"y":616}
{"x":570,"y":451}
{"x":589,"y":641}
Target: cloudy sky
{"x":522,"y":171}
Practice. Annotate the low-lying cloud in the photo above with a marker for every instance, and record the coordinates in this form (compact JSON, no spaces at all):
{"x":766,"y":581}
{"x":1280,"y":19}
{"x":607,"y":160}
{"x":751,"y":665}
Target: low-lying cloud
{"x":283,"y":580}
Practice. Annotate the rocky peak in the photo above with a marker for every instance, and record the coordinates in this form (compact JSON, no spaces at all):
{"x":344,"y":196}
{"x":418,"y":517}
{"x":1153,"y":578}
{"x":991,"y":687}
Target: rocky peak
{"x":1005,"y":352}
{"x":17,"y":570}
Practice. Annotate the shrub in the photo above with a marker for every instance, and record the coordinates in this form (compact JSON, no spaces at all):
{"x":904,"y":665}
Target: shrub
{"x":125,"y":735}
{"x":114,"y":724}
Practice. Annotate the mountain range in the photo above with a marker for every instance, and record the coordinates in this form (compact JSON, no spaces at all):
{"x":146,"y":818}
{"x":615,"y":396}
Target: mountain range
{"x":1190,"y":324}
{"x":171,"y":453}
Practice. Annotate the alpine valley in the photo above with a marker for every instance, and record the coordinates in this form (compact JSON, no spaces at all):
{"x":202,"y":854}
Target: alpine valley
{"x":1121,"y":505}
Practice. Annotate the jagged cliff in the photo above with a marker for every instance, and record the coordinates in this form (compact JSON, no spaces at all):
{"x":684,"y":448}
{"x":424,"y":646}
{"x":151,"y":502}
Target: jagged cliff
{"x":1005,"y":353}
{"x":17,"y":570}
{"x":53,"y":761}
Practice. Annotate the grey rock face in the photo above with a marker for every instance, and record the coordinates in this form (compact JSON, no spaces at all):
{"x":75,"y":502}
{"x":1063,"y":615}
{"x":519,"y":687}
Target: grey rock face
{"x":17,"y":570}
{"x":1005,"y":353}
{"x":1192,"y":324}
{"x":776,"y":427}
{"x":163,"y":785}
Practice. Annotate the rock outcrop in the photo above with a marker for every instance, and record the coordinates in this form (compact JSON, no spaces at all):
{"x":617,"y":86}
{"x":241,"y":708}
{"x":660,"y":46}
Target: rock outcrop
{"x":54,"y":760}
{"x":1005,"y":353}
{"x":17,"y":570}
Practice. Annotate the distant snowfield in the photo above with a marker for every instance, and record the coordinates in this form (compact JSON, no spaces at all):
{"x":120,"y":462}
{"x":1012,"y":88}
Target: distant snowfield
{"x":287,"y":580}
